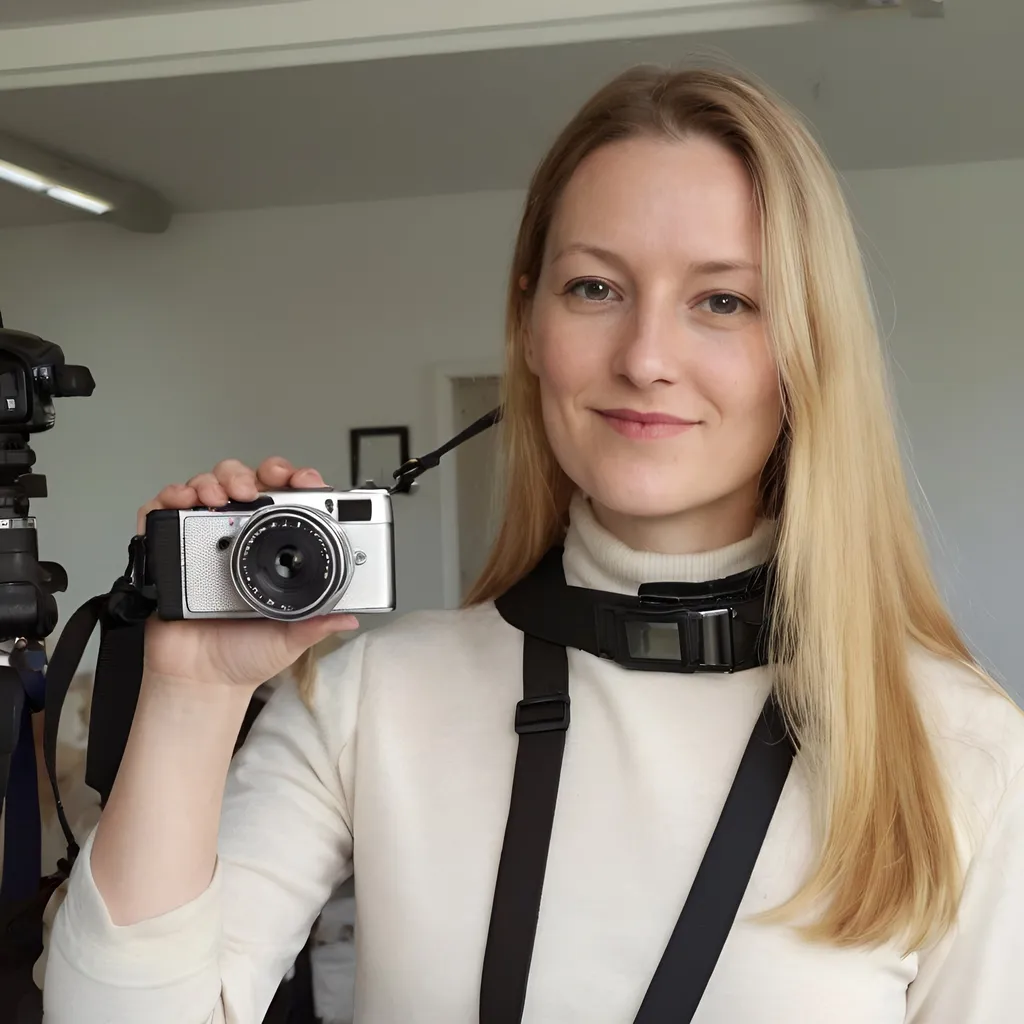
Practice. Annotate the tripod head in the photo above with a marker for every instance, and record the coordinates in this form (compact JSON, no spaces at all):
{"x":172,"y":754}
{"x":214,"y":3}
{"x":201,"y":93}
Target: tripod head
{"x":32,"y":374}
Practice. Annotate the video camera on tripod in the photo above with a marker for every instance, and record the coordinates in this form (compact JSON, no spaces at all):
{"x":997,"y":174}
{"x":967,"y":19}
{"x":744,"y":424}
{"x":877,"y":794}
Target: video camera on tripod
{"x":32,"y":374}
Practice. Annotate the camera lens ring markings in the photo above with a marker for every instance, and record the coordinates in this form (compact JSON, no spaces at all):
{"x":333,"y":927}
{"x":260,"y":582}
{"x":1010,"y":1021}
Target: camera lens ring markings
{"x":291,"y":563}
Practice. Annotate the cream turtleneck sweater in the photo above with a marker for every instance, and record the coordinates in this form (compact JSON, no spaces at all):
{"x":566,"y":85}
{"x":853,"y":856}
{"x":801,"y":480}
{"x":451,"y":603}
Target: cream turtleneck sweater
{"x":402,"y":774}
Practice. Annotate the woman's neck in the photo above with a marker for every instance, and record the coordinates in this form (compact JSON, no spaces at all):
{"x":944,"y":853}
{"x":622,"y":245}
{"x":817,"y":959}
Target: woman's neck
{"x":689,"y":532}
{"x":596,"y":558}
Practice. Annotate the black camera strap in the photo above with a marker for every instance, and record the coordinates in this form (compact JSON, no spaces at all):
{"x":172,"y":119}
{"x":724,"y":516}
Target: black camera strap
{"x":121,"y":616}
{"x":540,"y":606}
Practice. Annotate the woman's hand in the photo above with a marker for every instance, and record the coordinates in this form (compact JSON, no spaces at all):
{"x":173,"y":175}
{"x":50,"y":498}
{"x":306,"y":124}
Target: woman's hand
{"x":231,"y":652}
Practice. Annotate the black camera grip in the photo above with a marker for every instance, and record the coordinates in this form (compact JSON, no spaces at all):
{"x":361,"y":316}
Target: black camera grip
{"x":163,"y":561}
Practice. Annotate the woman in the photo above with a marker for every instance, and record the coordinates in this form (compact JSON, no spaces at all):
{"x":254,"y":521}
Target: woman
{"x":694,"y":386}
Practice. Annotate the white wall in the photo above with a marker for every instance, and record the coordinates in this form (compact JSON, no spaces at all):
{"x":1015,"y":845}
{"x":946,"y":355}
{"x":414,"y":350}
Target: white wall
{"x":946,"y":246}
{"x":275,"y":331}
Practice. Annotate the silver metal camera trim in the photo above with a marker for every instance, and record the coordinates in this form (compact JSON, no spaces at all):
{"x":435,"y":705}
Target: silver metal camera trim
{"x":330,"y":534}
{"x":373,"y":536}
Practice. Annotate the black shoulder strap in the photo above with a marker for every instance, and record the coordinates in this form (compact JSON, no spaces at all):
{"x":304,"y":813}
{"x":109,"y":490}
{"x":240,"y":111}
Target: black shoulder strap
{"x":722,"y":878}
{"x":542,"y":719}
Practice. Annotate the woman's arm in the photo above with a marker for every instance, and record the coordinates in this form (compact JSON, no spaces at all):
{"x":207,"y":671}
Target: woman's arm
{"x":155,"y":846}
{"x":202,"y":950}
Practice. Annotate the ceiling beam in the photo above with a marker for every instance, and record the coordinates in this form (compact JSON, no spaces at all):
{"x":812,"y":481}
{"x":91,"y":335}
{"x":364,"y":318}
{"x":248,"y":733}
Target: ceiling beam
{"x":296,"y":32}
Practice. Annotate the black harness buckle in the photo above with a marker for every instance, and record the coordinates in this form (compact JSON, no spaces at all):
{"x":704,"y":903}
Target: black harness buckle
{"x":543,"y":714}
{"x":666,"y":637}
{"x":710,"y":636}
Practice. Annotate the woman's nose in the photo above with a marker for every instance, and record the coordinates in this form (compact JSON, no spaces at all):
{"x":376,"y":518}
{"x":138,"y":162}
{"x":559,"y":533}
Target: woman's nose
{"x":652,"y":343}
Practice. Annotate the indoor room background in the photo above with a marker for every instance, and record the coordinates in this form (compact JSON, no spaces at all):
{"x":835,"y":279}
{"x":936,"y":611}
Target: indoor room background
{"x":345,"y":181}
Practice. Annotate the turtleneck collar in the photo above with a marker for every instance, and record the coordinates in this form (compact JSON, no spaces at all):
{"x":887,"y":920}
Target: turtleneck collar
{"x":596,"y":559}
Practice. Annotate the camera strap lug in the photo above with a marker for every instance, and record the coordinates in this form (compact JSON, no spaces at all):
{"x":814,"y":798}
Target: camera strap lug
{"x":407,"y":473}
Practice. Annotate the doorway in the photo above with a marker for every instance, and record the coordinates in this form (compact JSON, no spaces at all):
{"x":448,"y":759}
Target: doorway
{"x":469,"y":483}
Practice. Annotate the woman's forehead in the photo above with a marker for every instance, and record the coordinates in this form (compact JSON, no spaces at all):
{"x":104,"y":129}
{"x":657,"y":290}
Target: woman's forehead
{"x":689,"y":199}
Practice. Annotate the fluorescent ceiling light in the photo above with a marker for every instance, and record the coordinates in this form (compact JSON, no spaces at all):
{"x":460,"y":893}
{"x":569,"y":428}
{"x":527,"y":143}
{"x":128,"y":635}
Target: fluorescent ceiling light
{"x":37,"y":183}
{"x":19,"y":176}
{"x":79,"y":199}
{"x":57,"y":176}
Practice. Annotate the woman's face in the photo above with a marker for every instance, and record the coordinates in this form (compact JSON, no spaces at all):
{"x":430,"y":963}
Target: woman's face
{"x":659,"y":390}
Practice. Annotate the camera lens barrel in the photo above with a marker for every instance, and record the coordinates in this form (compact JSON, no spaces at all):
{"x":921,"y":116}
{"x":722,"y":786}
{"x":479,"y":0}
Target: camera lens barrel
{"x":290,"y":564}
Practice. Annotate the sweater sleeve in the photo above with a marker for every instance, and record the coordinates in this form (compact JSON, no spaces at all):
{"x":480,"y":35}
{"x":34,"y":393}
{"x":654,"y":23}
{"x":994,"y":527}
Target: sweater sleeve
{"x":285,"y":843}
{"x":976,"y":975}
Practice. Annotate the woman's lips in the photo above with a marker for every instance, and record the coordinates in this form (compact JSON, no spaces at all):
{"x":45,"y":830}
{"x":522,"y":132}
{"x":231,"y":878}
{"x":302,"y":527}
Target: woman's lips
{"x":644,"y":426}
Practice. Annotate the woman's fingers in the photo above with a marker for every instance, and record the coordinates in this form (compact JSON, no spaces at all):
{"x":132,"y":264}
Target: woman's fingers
{"x":311,"y":631}
{"x":306,"y":477}
{"x":278,"y":473}
{"x":172,"y":496}
{"x":274,"y":472}
{"x":237,"y":480}
{"x":231,"y":480}
{"x":209,"y":490}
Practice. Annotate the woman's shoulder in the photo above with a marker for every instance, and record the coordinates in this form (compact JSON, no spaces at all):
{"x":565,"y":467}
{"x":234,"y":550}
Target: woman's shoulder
{"x":417,"y":655}
{"x":438,"y":631}
{"x":977,"y":730}
{"x":423,"y":642}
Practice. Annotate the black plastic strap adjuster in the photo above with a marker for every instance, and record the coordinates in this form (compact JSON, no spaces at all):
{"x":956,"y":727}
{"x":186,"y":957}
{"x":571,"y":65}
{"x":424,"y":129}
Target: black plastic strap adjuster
{"x":543,"y":714}
{"x":709,"y":636}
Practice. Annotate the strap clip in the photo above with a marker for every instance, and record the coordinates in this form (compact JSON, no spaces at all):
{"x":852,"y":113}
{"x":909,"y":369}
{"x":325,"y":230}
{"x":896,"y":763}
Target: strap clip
{"x":543,"y":714}
{"x":131,"y":600}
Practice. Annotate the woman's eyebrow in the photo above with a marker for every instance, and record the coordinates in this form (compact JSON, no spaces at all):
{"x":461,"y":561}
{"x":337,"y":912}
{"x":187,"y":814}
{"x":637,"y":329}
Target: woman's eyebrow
{"x":606,"y":255}
{"x":724,"y":266}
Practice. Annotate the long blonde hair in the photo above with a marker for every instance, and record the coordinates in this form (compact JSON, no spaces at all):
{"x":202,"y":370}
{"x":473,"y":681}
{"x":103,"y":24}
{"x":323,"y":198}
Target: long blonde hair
{"x":888,"y":867}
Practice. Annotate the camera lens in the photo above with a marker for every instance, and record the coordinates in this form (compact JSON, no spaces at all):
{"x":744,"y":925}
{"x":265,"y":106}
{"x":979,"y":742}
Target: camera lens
{"x":290,"y":564}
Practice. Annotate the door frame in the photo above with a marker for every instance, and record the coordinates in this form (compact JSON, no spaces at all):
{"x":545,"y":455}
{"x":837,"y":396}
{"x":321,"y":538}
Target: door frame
{"x":445,"y":375}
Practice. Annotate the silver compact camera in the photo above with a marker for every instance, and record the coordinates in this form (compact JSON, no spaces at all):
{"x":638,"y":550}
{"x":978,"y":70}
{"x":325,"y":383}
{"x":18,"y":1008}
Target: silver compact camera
{"x":288,"y":555}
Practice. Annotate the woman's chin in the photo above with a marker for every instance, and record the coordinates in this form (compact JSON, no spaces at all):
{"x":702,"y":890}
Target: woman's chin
{"x":630,"y":499}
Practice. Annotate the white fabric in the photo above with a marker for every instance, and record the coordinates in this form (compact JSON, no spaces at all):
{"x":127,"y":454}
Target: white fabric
{"x":411,"y":750}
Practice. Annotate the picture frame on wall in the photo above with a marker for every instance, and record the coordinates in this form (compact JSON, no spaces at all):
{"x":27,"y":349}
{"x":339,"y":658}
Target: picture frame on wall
{"x":376,"y":452}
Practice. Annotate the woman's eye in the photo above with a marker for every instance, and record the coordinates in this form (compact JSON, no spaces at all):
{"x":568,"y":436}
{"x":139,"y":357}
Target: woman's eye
{"x":591,"y":289}
{"x":725,"y":304}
